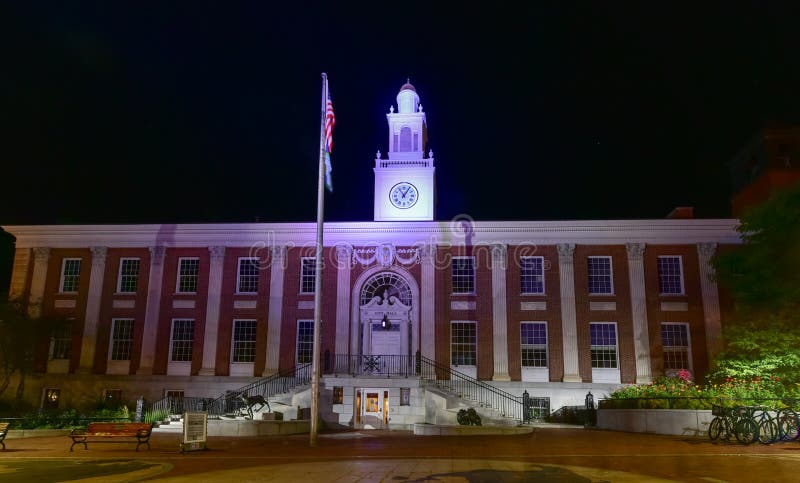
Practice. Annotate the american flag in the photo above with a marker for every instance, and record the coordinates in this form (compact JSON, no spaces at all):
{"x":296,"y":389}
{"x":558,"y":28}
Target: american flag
{"x":330,"y":122}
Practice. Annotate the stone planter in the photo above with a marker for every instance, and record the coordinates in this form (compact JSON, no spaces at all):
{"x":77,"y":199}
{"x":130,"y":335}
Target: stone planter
{"x":680,"y":422}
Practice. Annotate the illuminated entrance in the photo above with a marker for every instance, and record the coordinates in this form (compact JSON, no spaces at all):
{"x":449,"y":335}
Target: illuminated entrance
{"x":386,"y":316}
{"x":372,"y":408}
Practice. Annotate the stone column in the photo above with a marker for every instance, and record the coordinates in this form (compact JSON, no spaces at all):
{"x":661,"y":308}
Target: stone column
{"x":708,"y":288}
{"x":41,"y":257}
{"x":427,"y":302}
{"x":275,"y":313}
{"x":152,"y":310}
{"x":569,"y":324}
{"x":641,"y":334}
{"x":343,"y":259}
{"x":212,"y":310}
{"x":499,"y":313}
{"x":93,"y":298}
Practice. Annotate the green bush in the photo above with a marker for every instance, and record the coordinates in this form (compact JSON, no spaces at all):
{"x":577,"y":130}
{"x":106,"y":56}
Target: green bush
{"x":155,"y":416}
{"x":468,"y":417}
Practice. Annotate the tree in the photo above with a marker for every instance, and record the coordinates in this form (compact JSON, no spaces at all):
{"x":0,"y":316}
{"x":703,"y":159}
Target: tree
{"x":20,"y":338}
{"x":763,"y":277}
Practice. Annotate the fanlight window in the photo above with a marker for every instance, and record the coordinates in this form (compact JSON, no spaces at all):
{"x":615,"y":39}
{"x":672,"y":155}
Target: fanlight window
{"x":391,"y":284}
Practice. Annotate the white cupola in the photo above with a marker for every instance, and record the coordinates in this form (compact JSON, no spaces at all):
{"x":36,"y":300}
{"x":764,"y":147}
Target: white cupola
{"x":407,"y":99}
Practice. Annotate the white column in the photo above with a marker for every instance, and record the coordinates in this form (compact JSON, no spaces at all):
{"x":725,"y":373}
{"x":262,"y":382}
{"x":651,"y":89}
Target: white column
{"x":499,"y":313}
{"x":569,"y":324}
{"x":708,"y":289}
{"x":41,"y":257}
{"x":153,"y":310}
{"x":427,"y":302}
{"x":212,"y":311}
{"x":641,"y":335}
{"x":275,"y":313}
{"x":343,"y":259}
{"x":96,"y":276}
{"x":19,"y":274}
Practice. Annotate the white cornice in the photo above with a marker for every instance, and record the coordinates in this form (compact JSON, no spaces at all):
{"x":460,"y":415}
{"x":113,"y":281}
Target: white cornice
{"x":666,"y":231}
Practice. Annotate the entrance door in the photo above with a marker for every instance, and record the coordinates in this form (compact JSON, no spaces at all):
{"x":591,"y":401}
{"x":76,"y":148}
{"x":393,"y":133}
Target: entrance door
{"x":375,"y":408}
{"x":386,"y":341}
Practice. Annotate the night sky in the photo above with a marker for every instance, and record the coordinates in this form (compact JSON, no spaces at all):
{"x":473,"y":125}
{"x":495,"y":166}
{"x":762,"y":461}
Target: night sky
{"x":138,"y":112}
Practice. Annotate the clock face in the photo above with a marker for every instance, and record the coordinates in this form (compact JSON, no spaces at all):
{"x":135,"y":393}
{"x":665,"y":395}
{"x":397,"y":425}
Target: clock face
{"x":403,"y":195}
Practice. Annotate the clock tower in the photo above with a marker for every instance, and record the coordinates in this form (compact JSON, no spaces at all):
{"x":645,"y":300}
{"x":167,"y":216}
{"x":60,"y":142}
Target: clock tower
{"x":404,"y":183}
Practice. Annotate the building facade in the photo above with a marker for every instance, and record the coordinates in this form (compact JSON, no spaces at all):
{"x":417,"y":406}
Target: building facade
{"x":555,"y":308}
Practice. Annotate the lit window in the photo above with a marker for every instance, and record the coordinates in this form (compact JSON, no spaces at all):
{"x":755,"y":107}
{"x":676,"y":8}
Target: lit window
{"x":182,"y":341}
{"x":308,"y":275}
{"x":675,"y":341}
{"x":338,"y":395}
{"x":247,"y":282}
{"x":533,"y":341}
{"x":121,"y":339}
{"x":305,"y":341}
{"x":188,"y":269}
{"x":128,"y":280}
{"x":463,"y":343}
{"x":603,"y":344}
{"x":70,"y":275}
{"x":670,"y":275}
{"x":112,"y":397}
{"x":244,"y":341}
{"x":61,"y":341}
{"x":532,"y":275}
{"x":600,"y":281}
{"x":463,"y":275}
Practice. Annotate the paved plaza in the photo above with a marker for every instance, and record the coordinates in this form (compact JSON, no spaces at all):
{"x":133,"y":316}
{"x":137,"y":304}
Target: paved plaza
{"x":561,"y":455}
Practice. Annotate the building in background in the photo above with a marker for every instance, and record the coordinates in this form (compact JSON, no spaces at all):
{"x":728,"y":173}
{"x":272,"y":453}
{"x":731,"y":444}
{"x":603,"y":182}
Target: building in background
{"x":553,"y":308}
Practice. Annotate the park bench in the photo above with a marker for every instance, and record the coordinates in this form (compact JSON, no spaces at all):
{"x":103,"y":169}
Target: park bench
{"x":3,"y":433}
{"x":138,"y":433}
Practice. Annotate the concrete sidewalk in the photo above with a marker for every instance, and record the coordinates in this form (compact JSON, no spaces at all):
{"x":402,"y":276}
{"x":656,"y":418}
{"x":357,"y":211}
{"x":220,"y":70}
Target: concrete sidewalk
{"x":546,"y":455}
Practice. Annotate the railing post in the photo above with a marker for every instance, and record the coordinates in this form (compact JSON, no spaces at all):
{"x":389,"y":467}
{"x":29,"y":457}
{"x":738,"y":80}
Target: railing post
{"x":418,"y":363}
{"x":526,"y":404}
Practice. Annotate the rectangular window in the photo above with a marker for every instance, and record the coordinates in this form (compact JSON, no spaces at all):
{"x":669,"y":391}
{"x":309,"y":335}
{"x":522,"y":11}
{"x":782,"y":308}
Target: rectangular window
{"x":305,"y":341}
{"x":533,"y":340}
{"x":463,"y":275}
{"x":182,"y":341}
{"x":61,"y":341}
{"x":247,"y":282}
{"x":128,"y":280}
{"x":463,"y":343}
{"x":532,"y":275}
{"x":405,"y":396}
{"x":603,"y":337}
{"x":121,"y":339}
{"x":244,"y":341}
{"x":70,"y":275}
{"x":675,"y":340}
{"x":600,"y":279}
{"x":188,"y":268}
{"x":670,"y":275}
{"x":338,"y":395}
{"x":308,"y":275}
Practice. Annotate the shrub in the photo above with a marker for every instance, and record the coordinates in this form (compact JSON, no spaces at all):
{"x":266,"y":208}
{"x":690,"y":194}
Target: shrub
{"x":468,"y":417}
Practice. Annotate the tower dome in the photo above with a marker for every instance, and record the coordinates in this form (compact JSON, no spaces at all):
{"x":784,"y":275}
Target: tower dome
{"x":407,"y":99}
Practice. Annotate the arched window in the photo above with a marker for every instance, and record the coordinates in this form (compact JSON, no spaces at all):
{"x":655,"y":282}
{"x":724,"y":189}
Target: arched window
{"x":387,"y":282}
{"x":405,"y":139}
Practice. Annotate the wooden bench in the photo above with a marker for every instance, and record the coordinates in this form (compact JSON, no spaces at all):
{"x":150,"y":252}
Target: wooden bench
{"x":3,"y":433}
{"x":138,"y":433}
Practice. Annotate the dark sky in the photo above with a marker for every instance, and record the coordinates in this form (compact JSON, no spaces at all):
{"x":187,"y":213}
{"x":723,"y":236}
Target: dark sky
{"x":209,"y":111}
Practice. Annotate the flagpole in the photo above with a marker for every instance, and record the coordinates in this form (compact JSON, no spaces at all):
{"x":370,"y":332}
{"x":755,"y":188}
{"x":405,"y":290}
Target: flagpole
{"x":315,"y":366}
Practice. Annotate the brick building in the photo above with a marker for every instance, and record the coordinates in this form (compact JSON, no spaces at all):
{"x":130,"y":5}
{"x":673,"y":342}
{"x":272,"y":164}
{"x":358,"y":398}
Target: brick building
{"x":555,"y":308}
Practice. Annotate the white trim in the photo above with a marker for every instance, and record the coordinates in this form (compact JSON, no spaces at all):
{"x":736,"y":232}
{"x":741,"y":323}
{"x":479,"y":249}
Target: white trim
{"x":688,"y":347}
{"x":178,"y":275}
{"x":119,"y":275}
{"x":610,"y":275}
{"x":544,"y":287}
{"x":114,"y":321}
{"x":474,"y":277}
{"x":680,"y":267}
{"x":63,"y":267}
{"x":297,"y":340}
{"x":606,"y":374}
{"x":239,"y":274}
{"x":313,"y":276}
{"x":172,"y":335}
{"x":584,"y":232}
